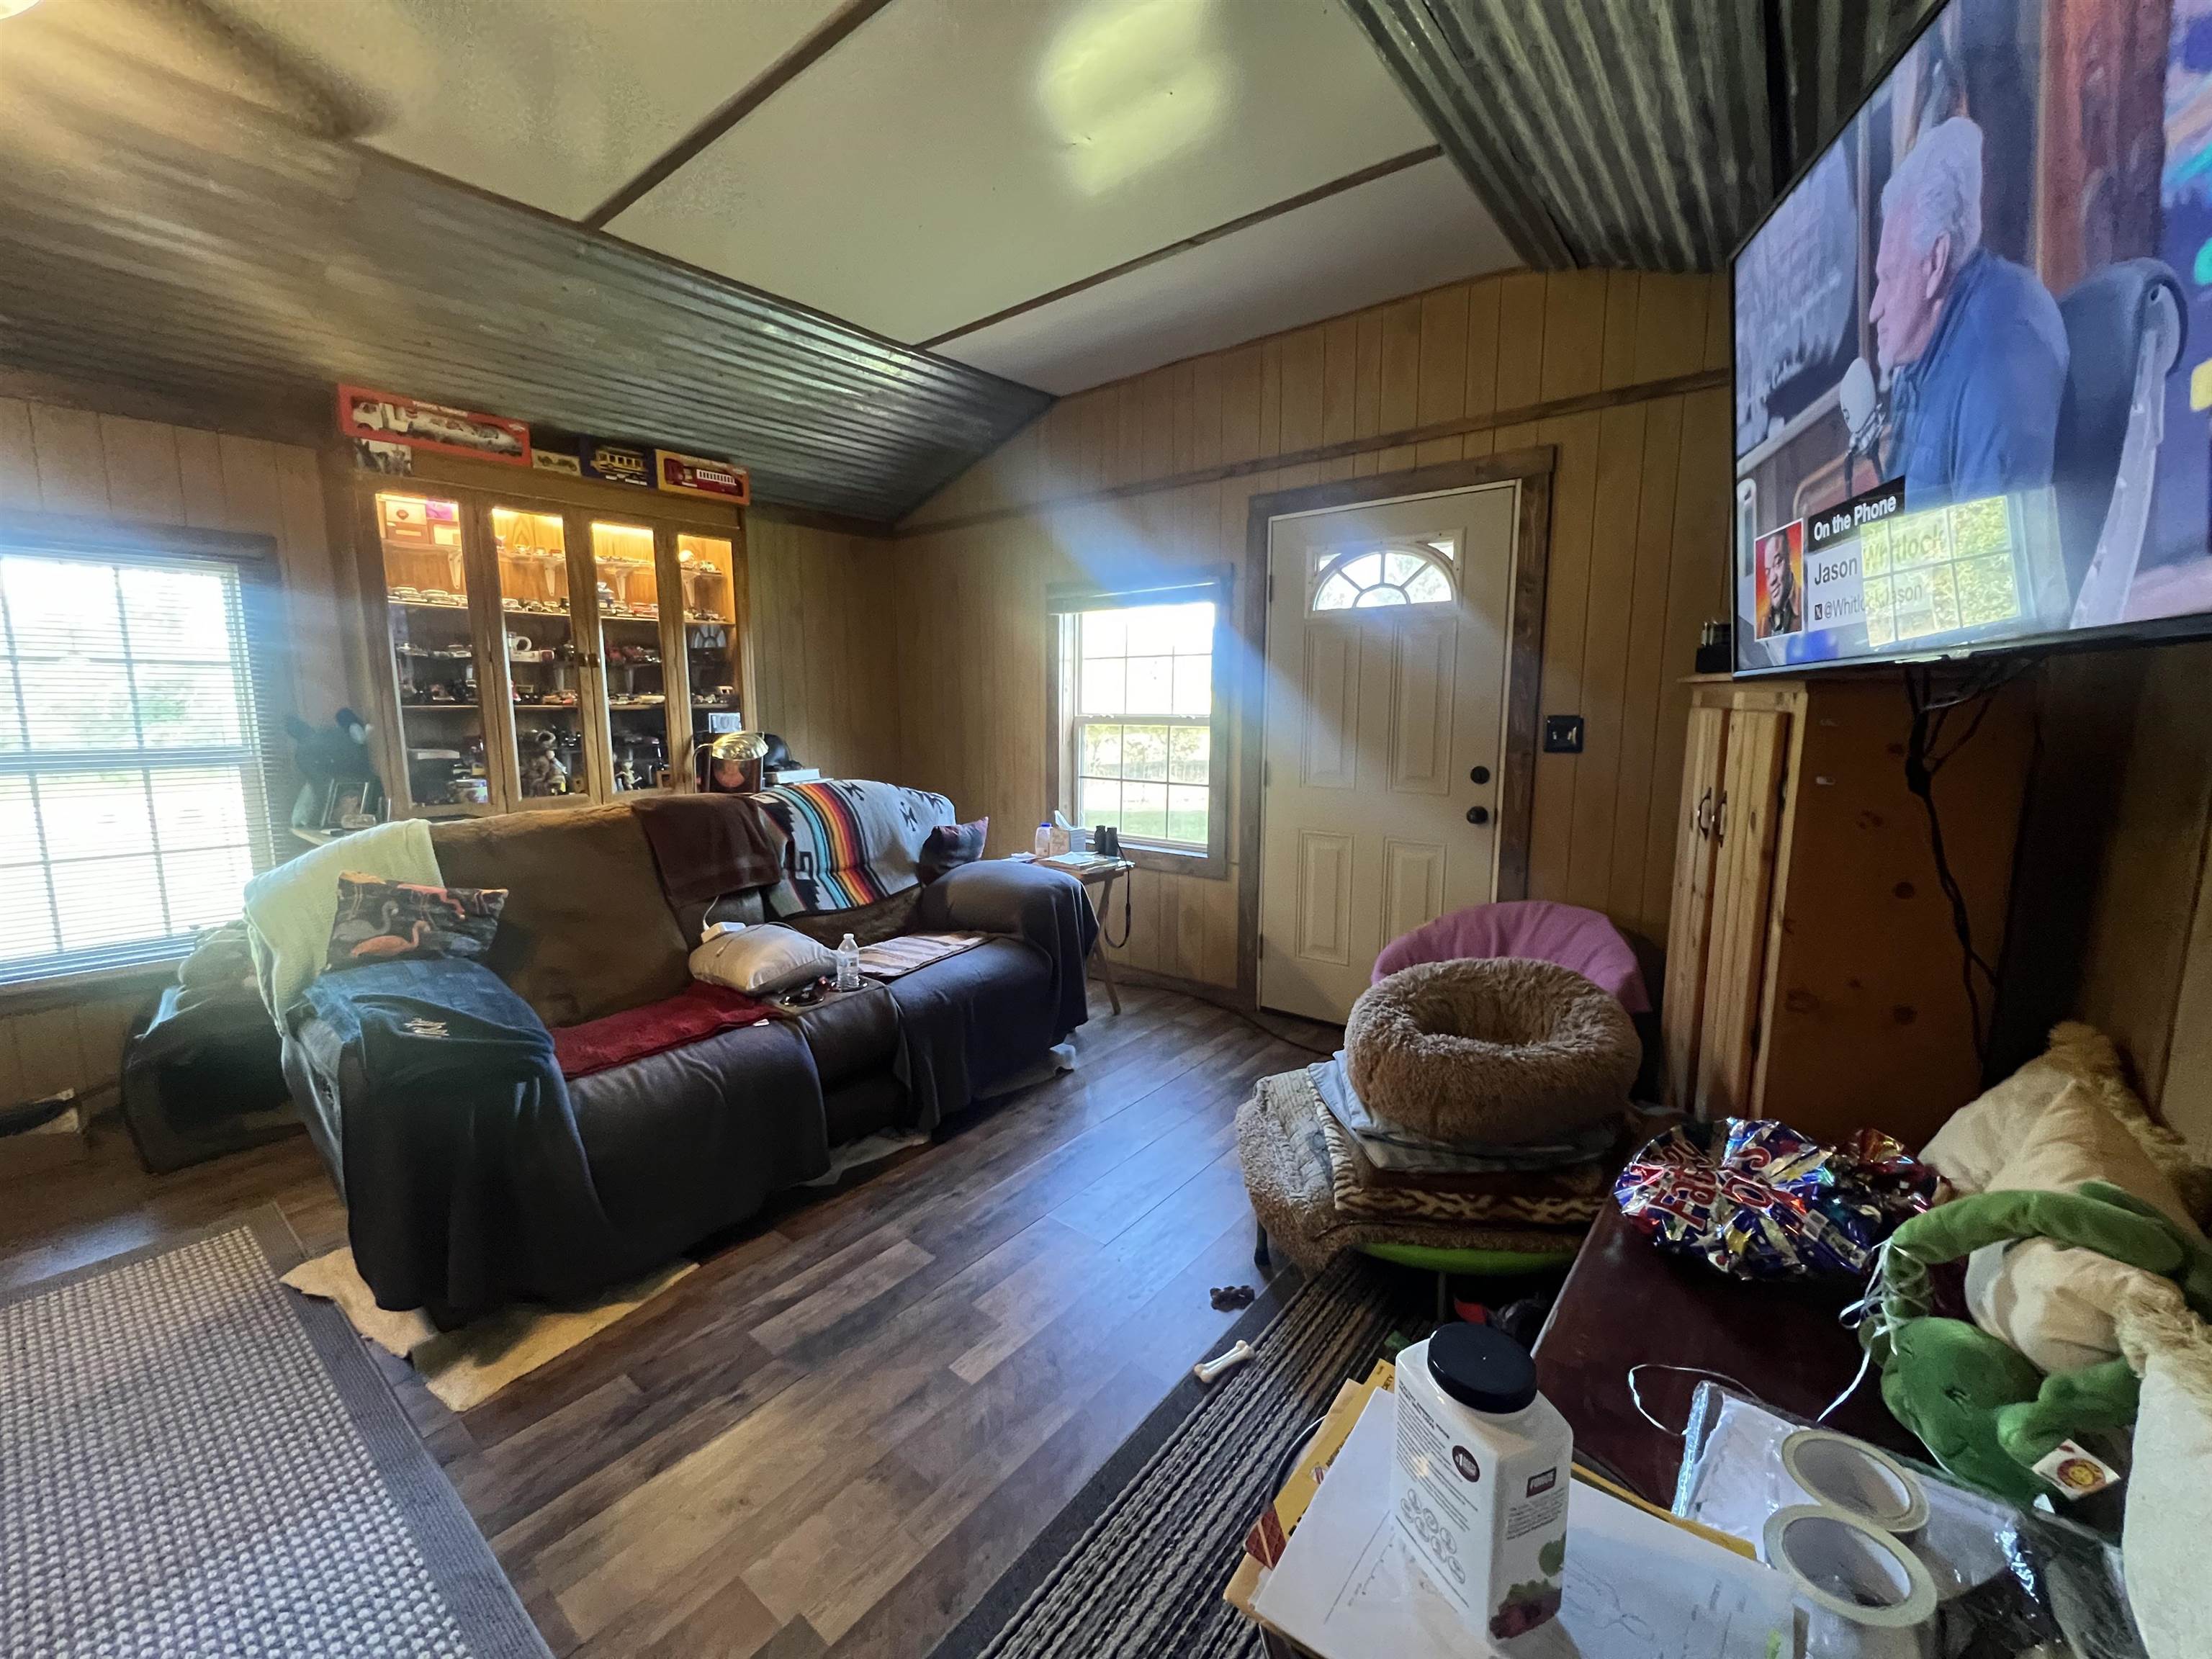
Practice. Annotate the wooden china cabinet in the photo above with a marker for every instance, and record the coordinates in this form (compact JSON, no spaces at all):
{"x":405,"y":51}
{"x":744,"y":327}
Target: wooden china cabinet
{"x":546,"y":640}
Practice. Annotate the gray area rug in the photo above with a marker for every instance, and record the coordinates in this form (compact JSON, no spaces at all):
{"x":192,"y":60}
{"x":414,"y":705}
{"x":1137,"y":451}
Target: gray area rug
{"x":1134,"y":1566}
{"x":195,"y":1461}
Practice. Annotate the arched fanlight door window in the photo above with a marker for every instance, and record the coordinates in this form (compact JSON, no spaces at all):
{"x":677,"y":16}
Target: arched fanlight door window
{"x":1397,"y":574}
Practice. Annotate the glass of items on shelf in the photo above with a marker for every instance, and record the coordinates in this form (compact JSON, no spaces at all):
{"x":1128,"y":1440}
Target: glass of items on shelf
{"x":433,"y":656}
{"x":707,"y":567}
{"x":542,"y":653}
{"x":624,"y":565}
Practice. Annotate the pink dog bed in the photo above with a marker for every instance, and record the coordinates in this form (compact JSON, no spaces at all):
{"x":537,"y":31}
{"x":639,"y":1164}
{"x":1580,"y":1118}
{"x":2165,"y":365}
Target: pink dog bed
{"x":1535,"y":929}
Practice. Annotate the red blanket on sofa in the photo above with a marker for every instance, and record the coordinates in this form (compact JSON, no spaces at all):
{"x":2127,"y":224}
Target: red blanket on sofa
{"x":701,"y":1010}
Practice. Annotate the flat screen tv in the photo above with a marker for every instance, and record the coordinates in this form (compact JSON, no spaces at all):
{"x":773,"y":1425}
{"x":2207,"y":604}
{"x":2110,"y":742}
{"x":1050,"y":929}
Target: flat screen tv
{"x":1973,"y":350}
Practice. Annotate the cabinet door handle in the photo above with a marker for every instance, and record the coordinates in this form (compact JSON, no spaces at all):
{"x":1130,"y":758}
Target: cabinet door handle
{"x":1703,"y":820}
{"x":1720,"y":818}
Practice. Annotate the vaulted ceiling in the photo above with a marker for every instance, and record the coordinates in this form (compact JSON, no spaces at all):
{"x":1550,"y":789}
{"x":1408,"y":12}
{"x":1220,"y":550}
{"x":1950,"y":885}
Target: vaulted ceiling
{"x":1643,"y":133}
{"x":1016,"y":184}
{"x":852,"y":243}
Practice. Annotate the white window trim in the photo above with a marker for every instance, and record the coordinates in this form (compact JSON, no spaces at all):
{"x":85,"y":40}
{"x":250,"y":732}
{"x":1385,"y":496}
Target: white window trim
{"x":1211,"y":584}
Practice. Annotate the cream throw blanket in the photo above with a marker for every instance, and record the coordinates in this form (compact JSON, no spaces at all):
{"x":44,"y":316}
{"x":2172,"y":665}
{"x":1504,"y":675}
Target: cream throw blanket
{"x":289,"y":910}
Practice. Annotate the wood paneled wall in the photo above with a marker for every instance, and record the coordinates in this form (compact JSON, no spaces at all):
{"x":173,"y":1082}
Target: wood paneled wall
{"x":1638,"y":554}
{"x":825,"y":645}
{"x":73,"y":460}
{"x":2112,"y":918}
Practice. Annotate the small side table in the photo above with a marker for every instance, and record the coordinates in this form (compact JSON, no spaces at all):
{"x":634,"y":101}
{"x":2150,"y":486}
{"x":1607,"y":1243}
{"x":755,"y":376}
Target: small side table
{"x":1097,"y":875}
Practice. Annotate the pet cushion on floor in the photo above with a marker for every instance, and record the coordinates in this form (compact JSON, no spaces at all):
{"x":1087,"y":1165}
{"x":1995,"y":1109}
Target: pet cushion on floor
{"x":1497,"y":1051}
{"x":1559,"y":1198}
{"x":1285,"y":1153}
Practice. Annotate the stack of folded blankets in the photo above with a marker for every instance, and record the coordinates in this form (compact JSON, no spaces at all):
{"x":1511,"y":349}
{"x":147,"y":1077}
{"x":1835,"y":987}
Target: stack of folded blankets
{"x":1376,"y":1169}
{"x":1477,"y":1105}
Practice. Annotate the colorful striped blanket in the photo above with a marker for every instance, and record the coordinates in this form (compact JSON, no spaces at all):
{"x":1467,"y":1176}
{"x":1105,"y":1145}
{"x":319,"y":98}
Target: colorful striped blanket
{"x":853,"y":842}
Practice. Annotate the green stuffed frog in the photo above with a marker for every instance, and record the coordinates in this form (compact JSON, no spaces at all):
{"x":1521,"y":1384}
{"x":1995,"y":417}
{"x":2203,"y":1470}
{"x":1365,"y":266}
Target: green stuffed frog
{"x":1985,"y":1412}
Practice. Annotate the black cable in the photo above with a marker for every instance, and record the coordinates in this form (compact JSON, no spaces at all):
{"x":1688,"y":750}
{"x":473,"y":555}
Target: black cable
{"x":1128,"y":881}
{"x":1925,"y":755}
{"x":1265,"y":1029}
{"x":1106,"y":937}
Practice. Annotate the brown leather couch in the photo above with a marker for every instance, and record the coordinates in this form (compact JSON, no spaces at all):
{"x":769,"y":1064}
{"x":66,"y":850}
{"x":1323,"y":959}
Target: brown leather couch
{"x":687,"y":1142}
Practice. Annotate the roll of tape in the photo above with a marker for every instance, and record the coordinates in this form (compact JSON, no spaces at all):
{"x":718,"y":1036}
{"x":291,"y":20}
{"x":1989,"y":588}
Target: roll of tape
{"x":1862,"y":1480}
{"x":1850,"y":1567}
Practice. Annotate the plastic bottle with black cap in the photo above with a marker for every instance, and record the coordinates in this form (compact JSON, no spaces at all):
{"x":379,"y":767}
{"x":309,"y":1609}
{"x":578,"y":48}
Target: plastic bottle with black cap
{"x":1481,"y":1477}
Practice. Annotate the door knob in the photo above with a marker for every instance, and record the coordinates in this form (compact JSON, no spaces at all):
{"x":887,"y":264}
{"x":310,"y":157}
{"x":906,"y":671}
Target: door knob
{"x":1478,"y":815}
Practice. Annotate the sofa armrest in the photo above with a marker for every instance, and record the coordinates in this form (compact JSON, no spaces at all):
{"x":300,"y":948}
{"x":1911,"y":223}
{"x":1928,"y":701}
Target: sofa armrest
{"x":1029,"y":902}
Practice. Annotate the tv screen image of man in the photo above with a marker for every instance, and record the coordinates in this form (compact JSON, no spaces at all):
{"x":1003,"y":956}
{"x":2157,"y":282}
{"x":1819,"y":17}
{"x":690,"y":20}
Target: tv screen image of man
{"x":1781,"y":556}
{"x":1971,"y":344}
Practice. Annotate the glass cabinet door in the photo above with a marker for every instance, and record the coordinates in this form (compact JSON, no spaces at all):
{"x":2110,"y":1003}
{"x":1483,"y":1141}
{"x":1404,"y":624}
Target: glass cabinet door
{"x":436,"y":673}
{"x":713,"y":653}
{"x":629,"y":654}
{"x":553,"y":757}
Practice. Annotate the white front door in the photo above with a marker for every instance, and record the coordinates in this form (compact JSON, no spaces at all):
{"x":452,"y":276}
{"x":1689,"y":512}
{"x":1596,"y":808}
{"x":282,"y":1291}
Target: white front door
{"x":1387,"y":651}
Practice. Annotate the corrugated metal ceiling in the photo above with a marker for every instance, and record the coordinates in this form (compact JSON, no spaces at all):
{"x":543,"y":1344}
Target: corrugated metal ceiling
{"x":1632,"y":133}
{"x":210,"y":247}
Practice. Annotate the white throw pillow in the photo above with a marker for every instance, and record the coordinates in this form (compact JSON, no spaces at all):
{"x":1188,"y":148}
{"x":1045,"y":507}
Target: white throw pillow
{"x":760,"y":961}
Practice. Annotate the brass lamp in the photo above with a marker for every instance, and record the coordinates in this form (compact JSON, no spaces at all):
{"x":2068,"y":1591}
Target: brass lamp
{"x":731,"y":762}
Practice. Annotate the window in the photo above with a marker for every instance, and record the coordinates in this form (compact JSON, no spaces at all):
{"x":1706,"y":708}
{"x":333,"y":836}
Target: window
{"x":1400,"y":573}
{"x":1141,"y":717}
{"x":133,"y":804}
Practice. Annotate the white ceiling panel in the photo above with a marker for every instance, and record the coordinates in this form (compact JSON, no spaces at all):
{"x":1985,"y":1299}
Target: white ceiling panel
{"x":954,"y":157}
{"x":556,"y":103}
{"x":1414,"y":229}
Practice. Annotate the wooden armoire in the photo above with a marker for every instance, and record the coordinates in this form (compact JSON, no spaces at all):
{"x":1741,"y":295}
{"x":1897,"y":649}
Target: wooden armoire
{"x":1813,"y":970}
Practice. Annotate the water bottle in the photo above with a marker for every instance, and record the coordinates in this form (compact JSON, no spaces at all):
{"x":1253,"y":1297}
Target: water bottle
{"x":848,"y":964}
{"x":1043,"y":842}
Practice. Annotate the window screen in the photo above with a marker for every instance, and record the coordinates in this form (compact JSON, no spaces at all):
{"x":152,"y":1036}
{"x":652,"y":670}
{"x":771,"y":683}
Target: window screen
{"x":134,"y":797}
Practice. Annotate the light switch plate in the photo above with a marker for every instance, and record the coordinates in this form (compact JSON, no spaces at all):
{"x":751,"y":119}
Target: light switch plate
{"x":1563,"y":734}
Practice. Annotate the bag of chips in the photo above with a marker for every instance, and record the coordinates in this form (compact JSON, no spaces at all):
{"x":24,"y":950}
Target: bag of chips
{"x":1760,"y":1201}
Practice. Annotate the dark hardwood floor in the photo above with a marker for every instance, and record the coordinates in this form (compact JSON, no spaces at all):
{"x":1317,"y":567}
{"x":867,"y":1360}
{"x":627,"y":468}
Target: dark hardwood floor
{"x":835,"y":1435}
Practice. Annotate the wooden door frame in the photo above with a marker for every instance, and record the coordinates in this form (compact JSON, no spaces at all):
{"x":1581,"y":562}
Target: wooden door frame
{"x":1532,"y":469}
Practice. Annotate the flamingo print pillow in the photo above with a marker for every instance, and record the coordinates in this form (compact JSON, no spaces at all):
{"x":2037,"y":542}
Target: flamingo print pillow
{"x":383,"y":921}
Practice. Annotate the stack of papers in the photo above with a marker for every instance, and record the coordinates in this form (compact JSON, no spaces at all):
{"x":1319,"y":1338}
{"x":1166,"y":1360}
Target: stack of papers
{"x":1636,"y":1587}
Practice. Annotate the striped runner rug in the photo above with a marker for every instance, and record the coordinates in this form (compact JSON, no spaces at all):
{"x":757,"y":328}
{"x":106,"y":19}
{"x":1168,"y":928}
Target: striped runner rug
{"x":1134,"y":1566}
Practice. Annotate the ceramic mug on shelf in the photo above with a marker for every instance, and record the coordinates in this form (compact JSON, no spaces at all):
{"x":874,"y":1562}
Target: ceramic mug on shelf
{"x":518,"y":644}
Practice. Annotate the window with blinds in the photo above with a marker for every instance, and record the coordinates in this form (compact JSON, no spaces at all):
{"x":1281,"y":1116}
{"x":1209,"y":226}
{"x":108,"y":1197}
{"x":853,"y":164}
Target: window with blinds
{"x":134,"y":795}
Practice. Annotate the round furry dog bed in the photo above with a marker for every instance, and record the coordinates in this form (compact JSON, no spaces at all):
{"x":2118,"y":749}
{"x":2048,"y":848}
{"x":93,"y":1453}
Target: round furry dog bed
{"x":1490,"y":1052}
